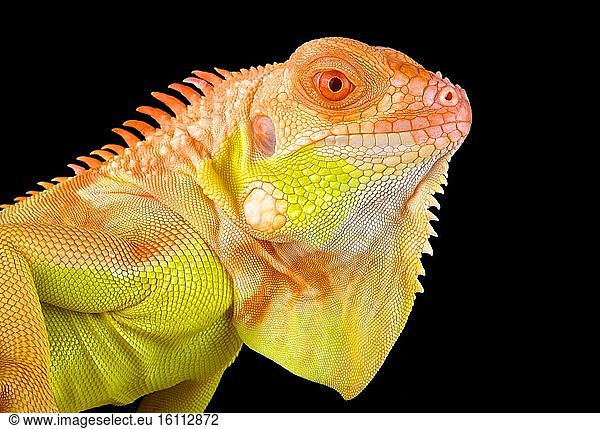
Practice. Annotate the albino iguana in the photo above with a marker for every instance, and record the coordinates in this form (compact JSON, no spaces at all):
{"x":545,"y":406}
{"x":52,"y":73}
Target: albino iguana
{"x":285,"y":207}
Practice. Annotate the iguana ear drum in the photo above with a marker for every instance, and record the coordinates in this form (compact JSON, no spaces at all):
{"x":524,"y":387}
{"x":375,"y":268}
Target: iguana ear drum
{"x":265,"y":138}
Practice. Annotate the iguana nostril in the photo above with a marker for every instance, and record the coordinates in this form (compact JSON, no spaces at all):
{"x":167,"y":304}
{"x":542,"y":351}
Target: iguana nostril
{"x":448,"y":96}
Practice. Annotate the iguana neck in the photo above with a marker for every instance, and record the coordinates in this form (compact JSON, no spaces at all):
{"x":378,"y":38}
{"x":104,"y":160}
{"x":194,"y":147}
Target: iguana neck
{"x":184,"y":142}
{"x":172,"y":160}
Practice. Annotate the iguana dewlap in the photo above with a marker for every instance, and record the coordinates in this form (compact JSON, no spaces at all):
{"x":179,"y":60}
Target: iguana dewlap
{"x":285,"y":207}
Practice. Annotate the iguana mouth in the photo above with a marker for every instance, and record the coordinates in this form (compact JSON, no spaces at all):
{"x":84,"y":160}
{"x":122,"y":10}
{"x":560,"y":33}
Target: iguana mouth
{"x":373,"y":140}
{"x":400,"y":142}
{"x":394,"y":148}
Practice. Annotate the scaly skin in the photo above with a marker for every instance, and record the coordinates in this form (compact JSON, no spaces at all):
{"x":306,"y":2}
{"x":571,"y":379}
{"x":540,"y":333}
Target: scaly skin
{"x":287,"y":208}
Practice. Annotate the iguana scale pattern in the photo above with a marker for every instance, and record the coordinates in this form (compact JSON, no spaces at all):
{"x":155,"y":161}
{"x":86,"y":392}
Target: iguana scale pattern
{"x":285,"y":207}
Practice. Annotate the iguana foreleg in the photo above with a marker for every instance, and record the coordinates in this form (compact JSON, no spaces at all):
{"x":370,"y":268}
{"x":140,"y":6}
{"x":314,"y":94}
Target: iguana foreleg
{"x":183,"y":398}
{"x":24,"y":352}
{"x":149,"y":294}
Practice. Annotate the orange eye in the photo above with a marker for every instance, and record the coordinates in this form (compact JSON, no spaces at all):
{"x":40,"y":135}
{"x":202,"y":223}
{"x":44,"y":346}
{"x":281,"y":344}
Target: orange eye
{"x":333,"y":85}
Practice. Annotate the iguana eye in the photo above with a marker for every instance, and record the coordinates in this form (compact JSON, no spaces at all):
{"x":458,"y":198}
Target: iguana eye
{"x":333,"y":85}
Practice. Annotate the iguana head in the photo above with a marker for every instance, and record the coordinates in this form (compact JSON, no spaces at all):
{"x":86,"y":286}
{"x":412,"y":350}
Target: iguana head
{"x":325,"y":180}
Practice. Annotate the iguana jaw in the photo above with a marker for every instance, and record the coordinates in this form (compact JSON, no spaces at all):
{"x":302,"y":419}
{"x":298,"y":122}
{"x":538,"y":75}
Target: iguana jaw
{"x":332,"y":315}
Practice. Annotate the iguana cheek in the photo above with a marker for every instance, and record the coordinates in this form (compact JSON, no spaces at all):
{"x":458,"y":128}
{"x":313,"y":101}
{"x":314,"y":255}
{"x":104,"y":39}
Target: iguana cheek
{"x":263,"y":212}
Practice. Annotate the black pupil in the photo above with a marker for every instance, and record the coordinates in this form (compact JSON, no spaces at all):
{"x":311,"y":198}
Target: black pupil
{"x":335,"y":84}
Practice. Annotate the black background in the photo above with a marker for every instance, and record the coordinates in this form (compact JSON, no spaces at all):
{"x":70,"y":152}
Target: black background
{"x":504,"y":324}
